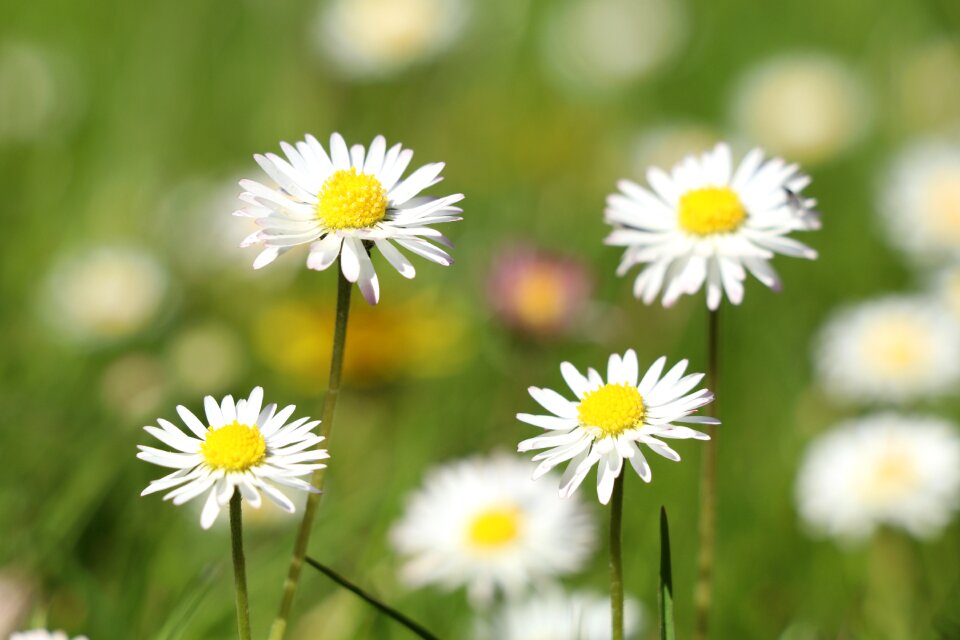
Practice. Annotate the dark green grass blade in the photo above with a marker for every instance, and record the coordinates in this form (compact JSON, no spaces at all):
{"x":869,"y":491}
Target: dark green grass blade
{"x":667,"y":630}
{"x":414,"y":627}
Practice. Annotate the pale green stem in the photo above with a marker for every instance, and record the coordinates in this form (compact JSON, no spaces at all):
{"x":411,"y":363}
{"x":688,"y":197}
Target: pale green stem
{"x":703,"y":593}
{"x":616,"y":563}
{"x":279,"y":627}
{"x":239,"y":566}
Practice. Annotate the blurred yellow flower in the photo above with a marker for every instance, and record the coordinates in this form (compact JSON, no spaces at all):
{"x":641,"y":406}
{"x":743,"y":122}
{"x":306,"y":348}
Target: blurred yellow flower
{"x":419,"y":337}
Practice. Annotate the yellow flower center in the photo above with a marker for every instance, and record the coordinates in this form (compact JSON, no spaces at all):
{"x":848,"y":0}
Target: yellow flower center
{"x":711,"y":210}
{"x":351,"y":200}
{"x":612,"y":408}
{"x":494,"y":527}
{"x":234,"y":447}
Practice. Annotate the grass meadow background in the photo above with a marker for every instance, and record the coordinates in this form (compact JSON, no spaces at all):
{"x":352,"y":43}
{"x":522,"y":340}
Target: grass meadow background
{"x":156,"y":111}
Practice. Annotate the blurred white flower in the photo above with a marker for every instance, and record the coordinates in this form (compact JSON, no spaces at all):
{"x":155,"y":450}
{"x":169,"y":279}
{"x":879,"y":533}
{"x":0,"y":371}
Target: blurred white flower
{"x":38,"y":92}
{"x":708,"y":223}
{"x":105,"y":293}
{"x":920,"y":200}
{"x":207,"y":357}
{"x":667,"y":145}
{"x":484,"y":524}
{"x":16,"y":597}
{"x":594,"y":45}
{"x":210,"y":247}
{"x":374,"y":38}
{"x":809,"y":107}
{"x":134,"y":384}
{"x":890,"y":350}
{"x":43,"y":634}
{"x":610,"y":419}
{"x":886,"y":469}
{"x":946,"y":284}
{"x":555,"y":615}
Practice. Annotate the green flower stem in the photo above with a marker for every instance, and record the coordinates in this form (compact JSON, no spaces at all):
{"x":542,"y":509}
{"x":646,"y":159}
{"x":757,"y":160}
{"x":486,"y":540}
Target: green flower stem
{"x":239,"y":566}
{"x":703,"y":594}
{"x":616,"y":563}
{"x":344,"y":288}
{"x":383,"y":608}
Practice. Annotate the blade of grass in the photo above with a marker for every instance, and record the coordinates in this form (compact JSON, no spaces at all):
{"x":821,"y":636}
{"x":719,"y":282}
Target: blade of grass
{"x":667,"y":630}
{"x":388,"y":611}
{"x":193,"y":596}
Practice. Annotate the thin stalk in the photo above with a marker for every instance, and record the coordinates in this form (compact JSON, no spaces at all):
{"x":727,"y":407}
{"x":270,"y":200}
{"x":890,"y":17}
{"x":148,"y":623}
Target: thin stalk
{"x":616,"y":562}
{"x":703,"y":594}
{"x":239,"y":567}
{"x":385,"y":609}
{"x":344,"y":287}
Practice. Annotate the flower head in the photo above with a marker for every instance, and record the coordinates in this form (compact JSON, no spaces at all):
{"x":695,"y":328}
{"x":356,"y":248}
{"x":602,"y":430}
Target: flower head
{"x":43,"y":634}
{"x":885,"y":469}
{"x":346,"y":203}
{"x":105,"y":293}
{"x":482,"y":523}
{"x":555,"y":615}
{"x":890,"y":351}
{"x":538,"y":293}
{"x":240,"y":448}
{"x":706,"y":224}
{"x":920,"y":201}
{"x":609,"y":419}
{"x":375,"y":38}
{"x":811,"y":107}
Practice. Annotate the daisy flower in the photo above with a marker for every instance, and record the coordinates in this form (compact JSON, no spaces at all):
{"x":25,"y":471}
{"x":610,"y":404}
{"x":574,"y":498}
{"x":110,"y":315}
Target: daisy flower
{"x":706,"y":223}
{"x":104,"y":294}
{"x":346,"y":203}
{"x":891,"y":350}
{"x":920,"y":201}
{"x":886,"y":469}
{"x":609,"y":419}
{"x":538,"y":293}
{"x":946,"y":288}
{"x":240,"y":448}
{"x":483,"y":524}
{"x":372,"y":39}
{"x":808,"y":106}
{"x":43,"y":634}
{"x":555,"y":615}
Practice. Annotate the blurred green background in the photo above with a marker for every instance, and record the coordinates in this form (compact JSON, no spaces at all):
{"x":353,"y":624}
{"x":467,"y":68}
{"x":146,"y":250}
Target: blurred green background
{"x":126,"y":125}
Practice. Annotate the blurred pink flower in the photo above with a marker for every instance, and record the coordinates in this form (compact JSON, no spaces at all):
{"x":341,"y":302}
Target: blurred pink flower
{"x":538,"y":293}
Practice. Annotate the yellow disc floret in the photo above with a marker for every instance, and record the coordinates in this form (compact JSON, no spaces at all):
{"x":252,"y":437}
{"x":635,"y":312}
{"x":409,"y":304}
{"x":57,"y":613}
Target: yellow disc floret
{"x":612,"y":408}
{"x":234,"y":447}
{"x":494,"y":527}
{"x":351,"y":200}
{"x":711,"y":210}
